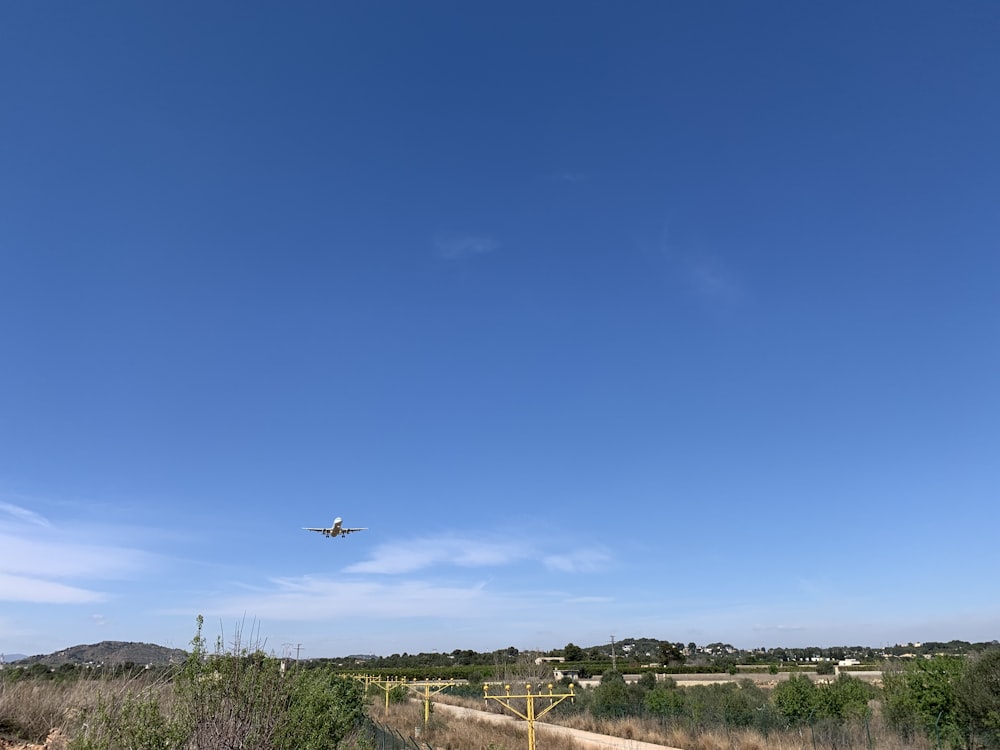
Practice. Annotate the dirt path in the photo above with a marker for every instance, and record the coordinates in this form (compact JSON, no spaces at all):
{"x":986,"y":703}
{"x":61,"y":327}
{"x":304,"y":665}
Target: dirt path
{"x":585,"y":740}
{"x":55,"y":741}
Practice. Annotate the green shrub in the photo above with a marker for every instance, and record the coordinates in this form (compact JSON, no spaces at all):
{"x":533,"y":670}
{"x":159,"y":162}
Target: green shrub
{"x":795,"y":699}
{"x":323,"y":709}
{"x":665,"y":702}
{"x":845,"y":698}
{"x":920,"y":699}
{"x":611,"y":699}
{"x":978,"y":695}
{"x":235,"y":698}
{"x":135,"y":719}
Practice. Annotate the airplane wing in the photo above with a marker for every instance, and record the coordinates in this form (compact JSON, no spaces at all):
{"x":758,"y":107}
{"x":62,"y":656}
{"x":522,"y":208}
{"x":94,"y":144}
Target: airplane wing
{"x":351,"y":531}
{"x":319,"y":530}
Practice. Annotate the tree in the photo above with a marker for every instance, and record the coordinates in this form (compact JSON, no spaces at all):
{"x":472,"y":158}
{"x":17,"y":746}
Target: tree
{"x":322,"y":710}
{"x":611,"y":697}
{"x":572,"y":652}
{"x":846,"y":697}
{"x":741,"y":702}
{"x":670,"y":653}
{"x":978,"y":694}
{"x":665,"y":701}
{"x":921,"y":698}
{"x":795,"y":698}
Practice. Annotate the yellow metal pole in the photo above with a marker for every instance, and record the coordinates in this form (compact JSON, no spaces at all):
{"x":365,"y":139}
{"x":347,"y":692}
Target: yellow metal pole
{"x":531,"y":719}
{"x":530,"y":715}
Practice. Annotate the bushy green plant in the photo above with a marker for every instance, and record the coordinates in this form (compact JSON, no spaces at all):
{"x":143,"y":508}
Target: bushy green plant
{"x":229,"y":698}
{"x":844,"y":698}
{"x":135,"y":719}
{"x":323,"y":709}
{"x":920,"y":699}
{"x":665,"y":702}
{"x":795,"y":698}
{"x":740,"y":703}
{"x":978,"y":695}
{"x":826,"y":668}
{"x":611,"y":699}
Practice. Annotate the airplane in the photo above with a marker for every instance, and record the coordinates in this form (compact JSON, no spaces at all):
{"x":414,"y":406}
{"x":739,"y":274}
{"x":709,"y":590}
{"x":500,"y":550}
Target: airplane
{"x":336,"y":529}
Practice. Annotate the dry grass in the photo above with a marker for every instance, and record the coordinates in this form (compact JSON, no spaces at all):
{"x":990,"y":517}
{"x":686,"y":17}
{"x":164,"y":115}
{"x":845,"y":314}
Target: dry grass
{"x":444,"y":733}
{"x":31,"y":709}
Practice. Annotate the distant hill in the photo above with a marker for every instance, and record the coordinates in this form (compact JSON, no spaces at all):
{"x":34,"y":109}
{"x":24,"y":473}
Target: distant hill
{"x":109,"y":653}
{"x":11,"y":658}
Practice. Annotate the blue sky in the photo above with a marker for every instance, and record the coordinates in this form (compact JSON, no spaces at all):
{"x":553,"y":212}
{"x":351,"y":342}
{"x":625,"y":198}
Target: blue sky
{"x":670,"y":320}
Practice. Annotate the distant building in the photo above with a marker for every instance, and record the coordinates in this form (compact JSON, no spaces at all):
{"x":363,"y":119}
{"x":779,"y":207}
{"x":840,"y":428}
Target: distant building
{"x":544,"y":659}
{"x":569,"y":674}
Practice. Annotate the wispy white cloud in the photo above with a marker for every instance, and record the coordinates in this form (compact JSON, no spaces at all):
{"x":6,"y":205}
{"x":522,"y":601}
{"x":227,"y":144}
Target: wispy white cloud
{"x":43,"y":563}
{"x":23,"y":514}
{"x":315,"y":598}
{"x":64,"y":558}
{"x":461,"y":246}
{"x":777,"y":628}
{"x":587,"y":561}
{"x":707,"y":274}
{"x":15,"y":588}
{"x":589,"y":600}
{"x":711,"y":278}
{"x":423,"y":553}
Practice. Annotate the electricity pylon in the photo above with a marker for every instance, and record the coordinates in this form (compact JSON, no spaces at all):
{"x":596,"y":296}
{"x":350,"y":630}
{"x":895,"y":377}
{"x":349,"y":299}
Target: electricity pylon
{"x":530,"y":714}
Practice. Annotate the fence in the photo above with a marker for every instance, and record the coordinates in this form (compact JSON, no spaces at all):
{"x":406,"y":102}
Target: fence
{"x":386,"y":738}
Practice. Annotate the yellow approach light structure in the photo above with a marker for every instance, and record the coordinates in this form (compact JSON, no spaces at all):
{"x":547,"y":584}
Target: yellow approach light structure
{"x":427,"y":685}
{"x":530,"y":715}
{"x":386,"y":685}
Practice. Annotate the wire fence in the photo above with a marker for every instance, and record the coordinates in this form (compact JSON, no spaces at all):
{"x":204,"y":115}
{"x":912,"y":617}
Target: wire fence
{"x":383,"y":737}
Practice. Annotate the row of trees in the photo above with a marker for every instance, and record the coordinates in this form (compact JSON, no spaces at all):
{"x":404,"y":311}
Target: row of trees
{"x":634,"y":652}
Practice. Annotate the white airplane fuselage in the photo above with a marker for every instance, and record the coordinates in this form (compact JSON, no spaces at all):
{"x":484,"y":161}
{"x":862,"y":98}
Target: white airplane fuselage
{"x":337,"y":529}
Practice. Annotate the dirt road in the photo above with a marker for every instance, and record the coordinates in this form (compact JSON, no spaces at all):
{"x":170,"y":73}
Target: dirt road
{"x":584,"y":740}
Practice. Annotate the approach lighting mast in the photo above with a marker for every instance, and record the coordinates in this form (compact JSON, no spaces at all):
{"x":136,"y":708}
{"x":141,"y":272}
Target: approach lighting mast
{"x":530,"y":715}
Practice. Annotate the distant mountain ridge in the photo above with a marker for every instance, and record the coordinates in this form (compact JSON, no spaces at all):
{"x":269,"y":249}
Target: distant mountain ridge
{"x":110,"y":653}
